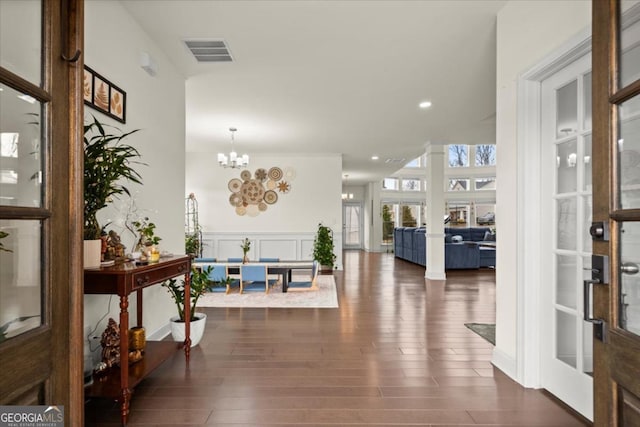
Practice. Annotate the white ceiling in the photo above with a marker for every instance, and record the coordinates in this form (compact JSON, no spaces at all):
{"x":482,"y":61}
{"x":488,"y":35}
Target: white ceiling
{"x":337,"y":76}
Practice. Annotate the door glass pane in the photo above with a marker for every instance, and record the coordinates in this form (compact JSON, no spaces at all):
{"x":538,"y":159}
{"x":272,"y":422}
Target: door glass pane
{"x":410,"y":215}
{"x":566,"y":161}
{"x":20,"y":149}
{"x":21,"y":38}
{"x":566,"y":280}
{"x":566,"y":338}
{"x":20,"y":279}
{"x":586,"y":163}
{"x":630,"y":286}
{"x":566,"y":223}
{"x":629,"y":157}
{"x":630,"y":58}
{"x":587,"y":101}
{"x":567,"y":110}
{"x":587,"y":327}
{"x":587,"y":211}
{"x":352,"y":225}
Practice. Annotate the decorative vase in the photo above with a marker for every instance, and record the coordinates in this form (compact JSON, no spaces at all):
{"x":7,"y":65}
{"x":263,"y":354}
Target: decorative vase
{"x":196,"y":328}
{"x":245,"y":259}
{"x":92,"y":253}
{"x":137,"y":339}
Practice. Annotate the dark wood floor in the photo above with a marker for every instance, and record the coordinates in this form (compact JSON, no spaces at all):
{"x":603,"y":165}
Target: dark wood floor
{"x":396,"y":353}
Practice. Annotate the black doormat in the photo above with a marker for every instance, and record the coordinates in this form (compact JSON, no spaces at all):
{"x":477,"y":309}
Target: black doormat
{"x":485,"y":330}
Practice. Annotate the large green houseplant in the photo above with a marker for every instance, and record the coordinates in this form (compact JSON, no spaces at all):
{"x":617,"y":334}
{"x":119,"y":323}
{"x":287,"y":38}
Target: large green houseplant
{"x":107,"y":162}
{"x":323,"y":247}
{"x":198,"y":286}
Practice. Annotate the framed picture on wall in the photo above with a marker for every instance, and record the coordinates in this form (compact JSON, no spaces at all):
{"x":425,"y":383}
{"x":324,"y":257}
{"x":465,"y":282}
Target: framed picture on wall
{"x":102,"y":95}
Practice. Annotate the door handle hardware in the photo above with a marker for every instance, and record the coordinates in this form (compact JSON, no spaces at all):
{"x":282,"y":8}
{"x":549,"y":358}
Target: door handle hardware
{"x":600,"y":268}
{"x":599,"y":231}
{"x":629,"y":268}
{"x":599,"y":325}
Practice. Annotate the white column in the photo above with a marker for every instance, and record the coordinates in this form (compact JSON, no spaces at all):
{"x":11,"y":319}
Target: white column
{"x":435,"y":212}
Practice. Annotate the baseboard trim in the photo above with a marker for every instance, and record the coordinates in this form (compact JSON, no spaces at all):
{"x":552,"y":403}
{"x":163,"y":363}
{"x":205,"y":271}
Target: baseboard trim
{"x":435,"y":276}
{"x":160,"y":334}
{"x":577,"y":415}
{"x":505,"y":363}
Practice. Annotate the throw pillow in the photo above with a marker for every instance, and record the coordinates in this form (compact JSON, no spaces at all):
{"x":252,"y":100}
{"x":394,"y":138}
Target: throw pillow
{"x":489,"y":237}
{"x":447,"y":238}
{"x":456,"y":239}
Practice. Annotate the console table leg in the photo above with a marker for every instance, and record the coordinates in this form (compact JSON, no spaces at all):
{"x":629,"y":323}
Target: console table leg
{"x":124,"y":407}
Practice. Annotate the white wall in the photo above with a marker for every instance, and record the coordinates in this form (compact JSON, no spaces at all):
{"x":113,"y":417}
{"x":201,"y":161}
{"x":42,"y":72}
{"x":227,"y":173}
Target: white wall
{"x":527,"y":31}
{"x":315,"y":196}
{"x":113,"y":43}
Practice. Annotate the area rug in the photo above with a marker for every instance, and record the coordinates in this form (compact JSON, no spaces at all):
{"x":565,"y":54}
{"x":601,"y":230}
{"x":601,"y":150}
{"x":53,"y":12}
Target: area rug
{"x":324,"y":297}
{"x":485,"y":330}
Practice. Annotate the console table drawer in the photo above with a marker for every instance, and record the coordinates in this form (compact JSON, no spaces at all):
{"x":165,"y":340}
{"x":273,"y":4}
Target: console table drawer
{"x":145,"y":278}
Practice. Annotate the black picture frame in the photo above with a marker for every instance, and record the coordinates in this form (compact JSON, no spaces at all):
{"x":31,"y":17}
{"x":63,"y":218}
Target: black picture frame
{"x":103,"y":96}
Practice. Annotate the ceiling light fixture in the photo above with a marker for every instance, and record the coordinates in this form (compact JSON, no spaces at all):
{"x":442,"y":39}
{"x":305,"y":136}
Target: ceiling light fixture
{"x":374,"y":157}
{"x":233,"y":160}
{"x":425,"y":104}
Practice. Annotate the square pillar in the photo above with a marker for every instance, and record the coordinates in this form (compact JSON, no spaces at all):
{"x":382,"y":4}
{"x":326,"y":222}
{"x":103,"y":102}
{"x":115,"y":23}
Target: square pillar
{"x":435,"y":212}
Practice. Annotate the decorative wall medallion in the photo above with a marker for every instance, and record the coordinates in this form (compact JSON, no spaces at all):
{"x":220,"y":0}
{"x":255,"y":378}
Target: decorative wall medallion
{"x":252,"y":194}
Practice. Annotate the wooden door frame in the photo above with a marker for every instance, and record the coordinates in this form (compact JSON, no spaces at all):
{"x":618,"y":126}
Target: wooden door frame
{"x":57,"y":370}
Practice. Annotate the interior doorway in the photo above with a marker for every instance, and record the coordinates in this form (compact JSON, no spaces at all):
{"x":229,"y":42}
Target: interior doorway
{"x":352,"y":225}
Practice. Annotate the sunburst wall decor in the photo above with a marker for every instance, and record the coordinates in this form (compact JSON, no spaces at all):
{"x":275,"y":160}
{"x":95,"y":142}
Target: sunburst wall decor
{"x":252,"y":194}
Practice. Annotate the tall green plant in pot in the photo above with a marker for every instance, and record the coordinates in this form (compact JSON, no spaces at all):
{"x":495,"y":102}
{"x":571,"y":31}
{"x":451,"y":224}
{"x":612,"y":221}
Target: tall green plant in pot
{"x":323,"y":248}
{"x":198,"y":286}
{"x":107,"y":162}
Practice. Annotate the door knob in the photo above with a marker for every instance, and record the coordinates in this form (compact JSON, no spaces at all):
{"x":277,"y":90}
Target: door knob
{"x":629,"y":268}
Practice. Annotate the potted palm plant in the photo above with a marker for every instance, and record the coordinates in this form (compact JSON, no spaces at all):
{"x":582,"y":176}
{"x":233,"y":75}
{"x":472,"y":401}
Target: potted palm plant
{"x":323,"y":248}
{"x":107,"y":161}
{"x":199,"y":285}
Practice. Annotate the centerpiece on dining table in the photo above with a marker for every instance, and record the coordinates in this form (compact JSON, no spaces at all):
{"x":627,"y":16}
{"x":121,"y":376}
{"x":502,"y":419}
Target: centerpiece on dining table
{"x":246,"y":247}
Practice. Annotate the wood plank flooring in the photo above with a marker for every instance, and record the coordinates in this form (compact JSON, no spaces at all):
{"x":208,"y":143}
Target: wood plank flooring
{"x":395,"y":353}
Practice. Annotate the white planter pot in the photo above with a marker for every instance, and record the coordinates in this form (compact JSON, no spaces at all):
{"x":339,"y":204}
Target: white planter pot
{"x":92,"y":253}
{"x":196,"y":329}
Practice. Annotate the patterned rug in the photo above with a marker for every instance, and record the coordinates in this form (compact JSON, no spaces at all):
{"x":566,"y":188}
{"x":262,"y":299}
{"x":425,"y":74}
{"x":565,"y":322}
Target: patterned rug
{"x":485,"y":330}
{"x":324,"y":297}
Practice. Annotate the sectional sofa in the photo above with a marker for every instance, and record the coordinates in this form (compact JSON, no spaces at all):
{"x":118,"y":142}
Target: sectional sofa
{"x":464,"y":248}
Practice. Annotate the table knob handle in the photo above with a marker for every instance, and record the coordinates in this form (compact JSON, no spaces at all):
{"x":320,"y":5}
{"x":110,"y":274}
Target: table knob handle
{"x":142,"y":280}
{"x":181,"y":268}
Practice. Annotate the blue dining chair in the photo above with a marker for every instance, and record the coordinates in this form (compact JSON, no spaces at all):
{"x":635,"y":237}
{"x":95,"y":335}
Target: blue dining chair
{"x":307,"y":285}
{"x":266,"y":259}
{"x":204,"y":260}
{"x":234,"y":259}
{"x":220,"y":275}
{"x":254,"y":278}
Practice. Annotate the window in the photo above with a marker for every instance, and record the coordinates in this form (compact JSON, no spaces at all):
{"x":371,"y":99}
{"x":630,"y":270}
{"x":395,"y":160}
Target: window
{"x":458,"y":213}
{"x":415,"y":163}
{"x":390,"y":184}
{"x":410,"y":215}
{"x":485,"y":155}
{"x":410,"y":184}
{"x":485,"y":183}
{"x":458,"y":184}
{"x":389,"y":215}
{"x":458,"y":156}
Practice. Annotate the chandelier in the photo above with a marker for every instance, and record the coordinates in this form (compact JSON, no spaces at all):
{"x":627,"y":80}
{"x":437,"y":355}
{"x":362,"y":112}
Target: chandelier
{"x":233,"y":160}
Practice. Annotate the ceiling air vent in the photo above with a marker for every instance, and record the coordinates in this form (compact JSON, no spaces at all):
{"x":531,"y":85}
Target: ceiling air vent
{"x":392,"y":160}
{"x":209,"y":50}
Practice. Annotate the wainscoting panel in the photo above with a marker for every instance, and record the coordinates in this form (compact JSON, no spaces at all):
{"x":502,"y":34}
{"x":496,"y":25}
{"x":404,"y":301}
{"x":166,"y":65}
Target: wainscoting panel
{"x":286,"y":246}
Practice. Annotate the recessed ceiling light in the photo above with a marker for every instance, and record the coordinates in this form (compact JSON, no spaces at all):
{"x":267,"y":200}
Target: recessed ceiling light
{"x":374,"y":157}
{"x":425,"y":104}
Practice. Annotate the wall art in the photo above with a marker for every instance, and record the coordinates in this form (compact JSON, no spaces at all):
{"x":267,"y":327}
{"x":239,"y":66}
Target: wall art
{"x":254,"y":193}
{"x":102,"y":95}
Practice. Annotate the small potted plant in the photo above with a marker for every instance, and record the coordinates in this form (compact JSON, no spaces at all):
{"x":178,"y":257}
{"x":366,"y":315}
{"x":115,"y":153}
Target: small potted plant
{"x":323,"y":248}
{"x":192,"y":244}
{"x":199,"y":285}
{"x":246,"y":247}
{"x":147,"y":240}
{"x":107,"y":162}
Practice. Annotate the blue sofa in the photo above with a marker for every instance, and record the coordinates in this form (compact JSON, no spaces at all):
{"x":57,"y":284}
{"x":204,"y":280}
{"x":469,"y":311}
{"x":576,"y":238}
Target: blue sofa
{"x":462,"y":249}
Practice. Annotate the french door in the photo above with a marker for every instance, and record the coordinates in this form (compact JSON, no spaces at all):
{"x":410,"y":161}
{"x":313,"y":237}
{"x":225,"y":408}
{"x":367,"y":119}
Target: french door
{"x":616,"y":212}
{"x":41,"y":205}
{"x":352,"y":225}
{"x":566,"y":355}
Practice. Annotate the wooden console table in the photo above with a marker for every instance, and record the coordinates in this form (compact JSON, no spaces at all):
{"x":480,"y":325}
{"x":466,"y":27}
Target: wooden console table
{"x":122,"y":280}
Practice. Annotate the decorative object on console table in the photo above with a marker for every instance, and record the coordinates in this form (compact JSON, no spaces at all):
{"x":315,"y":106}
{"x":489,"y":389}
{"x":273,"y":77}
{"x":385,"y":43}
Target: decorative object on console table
{"x":199,"y":285}
{"x":107,"y":162}
{"x":147,"y":240}
{"x":103,"y":96}
{"x":323,"y":248}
